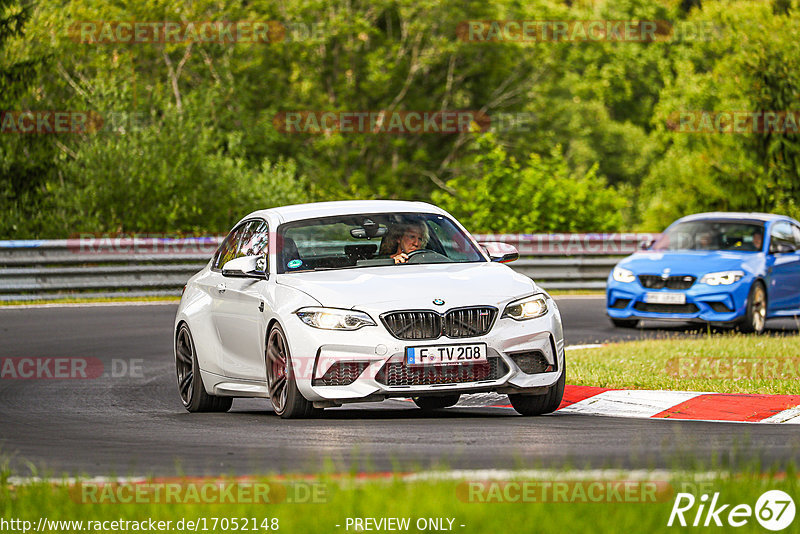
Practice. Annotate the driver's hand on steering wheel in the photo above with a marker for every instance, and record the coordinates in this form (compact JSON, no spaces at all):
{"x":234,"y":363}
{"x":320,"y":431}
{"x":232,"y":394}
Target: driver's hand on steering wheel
{"x":402,"y":257}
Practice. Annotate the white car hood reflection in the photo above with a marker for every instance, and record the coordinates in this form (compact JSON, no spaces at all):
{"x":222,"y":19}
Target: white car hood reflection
{"x":412,"y":286}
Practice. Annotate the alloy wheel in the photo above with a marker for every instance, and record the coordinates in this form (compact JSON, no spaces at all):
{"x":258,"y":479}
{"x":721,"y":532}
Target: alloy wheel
{"x":277,"y":369}
{"x":184,"y":365}
{"x":759,"y":307}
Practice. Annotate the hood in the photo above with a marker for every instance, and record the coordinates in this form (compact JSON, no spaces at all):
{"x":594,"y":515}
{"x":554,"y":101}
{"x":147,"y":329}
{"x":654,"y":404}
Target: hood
{"x":690,"y":262}
{"x":412,"y":286}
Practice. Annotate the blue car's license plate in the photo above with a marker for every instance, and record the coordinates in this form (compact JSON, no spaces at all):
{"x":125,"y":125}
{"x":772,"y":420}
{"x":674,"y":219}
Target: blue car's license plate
{"x":665,"y":298}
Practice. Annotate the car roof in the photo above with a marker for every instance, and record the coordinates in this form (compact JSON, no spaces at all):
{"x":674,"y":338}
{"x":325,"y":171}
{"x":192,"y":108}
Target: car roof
{"x":734,"y":215}
{"x":299,"y":212}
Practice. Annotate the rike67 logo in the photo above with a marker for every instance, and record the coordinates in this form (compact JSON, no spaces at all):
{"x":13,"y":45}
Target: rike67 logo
{"x":774,"y":510}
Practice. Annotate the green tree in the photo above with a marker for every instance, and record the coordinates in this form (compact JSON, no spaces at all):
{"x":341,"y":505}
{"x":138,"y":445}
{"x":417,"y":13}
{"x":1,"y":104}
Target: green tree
{"x":499,"y":194}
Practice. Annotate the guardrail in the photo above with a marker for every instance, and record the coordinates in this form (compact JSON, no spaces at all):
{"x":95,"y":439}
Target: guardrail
{"x":137,"y":267}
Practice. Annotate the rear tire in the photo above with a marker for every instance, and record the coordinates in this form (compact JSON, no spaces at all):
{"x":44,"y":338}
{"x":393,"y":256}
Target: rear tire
{"x":436,"y":403}
{"x":755,"y":316}
{"x":190,"y":381}
{"x":541,"y":404}
{"x":287,"y":401}
{"x":625,"y":323}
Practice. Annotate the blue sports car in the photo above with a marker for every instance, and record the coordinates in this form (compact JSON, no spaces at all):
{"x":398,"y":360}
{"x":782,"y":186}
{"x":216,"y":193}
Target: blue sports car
{"x":723,"y":268}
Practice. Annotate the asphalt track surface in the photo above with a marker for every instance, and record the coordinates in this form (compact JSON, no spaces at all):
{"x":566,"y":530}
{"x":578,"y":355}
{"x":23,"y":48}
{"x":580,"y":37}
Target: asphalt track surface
{"x":136,"y":425}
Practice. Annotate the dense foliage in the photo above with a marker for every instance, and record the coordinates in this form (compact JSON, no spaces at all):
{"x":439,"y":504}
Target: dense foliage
{"x":188,"y":140}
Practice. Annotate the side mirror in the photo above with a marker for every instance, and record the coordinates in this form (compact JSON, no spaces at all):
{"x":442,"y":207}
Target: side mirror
{"x":645,"y":245}
{"x":500,"y":252}
{"x":246,"y":267}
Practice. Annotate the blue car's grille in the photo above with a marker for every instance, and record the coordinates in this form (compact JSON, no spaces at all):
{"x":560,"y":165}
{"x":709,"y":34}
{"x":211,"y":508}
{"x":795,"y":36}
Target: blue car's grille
{"x":655,"y":281}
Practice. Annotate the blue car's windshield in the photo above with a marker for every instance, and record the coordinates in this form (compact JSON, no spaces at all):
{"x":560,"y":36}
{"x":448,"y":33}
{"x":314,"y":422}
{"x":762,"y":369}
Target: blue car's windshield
{"x":712,"y":235}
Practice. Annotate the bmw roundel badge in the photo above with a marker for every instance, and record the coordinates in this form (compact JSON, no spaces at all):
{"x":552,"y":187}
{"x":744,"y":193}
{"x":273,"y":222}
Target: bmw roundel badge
{"x":438,"y":302}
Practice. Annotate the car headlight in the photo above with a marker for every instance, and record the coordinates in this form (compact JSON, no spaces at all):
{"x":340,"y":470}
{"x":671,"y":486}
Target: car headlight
{"x":623,"y":275}
{"x":334,"y":319}
{"x":724,"y":278}
{"x":527,"y":308}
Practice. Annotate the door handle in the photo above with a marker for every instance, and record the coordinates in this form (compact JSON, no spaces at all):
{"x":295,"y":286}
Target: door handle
{"x":221,"y":288}
{"x":261,"y":306}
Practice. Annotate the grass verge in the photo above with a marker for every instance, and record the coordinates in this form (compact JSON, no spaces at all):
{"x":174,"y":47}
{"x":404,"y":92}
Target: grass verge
{"x":564,"y":502}
{"x":728,"y":363}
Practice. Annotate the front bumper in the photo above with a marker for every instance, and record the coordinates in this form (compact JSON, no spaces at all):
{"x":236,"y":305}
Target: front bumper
{"x":369,"y":363}
{"x":717,"y":304}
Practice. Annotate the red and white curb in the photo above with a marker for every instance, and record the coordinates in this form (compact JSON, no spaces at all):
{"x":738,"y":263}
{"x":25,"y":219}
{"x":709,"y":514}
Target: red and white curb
{"x":681,"y":405}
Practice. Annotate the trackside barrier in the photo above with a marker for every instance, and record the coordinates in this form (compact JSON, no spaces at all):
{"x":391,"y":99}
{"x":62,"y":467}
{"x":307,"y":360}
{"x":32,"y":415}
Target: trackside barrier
{"x":138,"y":267}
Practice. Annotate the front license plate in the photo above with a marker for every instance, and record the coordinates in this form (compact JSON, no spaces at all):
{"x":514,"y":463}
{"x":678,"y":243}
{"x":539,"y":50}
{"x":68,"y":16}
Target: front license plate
{"x":665,"y":298}
{"x":446,"y":354}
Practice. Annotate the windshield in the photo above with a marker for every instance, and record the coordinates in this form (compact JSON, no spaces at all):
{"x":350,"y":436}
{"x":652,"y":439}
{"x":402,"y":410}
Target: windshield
{"x":370,"y":240}
{"x":712,"y":235}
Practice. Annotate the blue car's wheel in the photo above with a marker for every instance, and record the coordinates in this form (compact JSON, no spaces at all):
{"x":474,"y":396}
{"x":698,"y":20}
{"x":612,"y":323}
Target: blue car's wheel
{"x":755,"y":316}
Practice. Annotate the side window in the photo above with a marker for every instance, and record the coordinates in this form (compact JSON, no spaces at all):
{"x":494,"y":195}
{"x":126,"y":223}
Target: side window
{"x":796,"y":232}
{"x":248,"y":239}
{"x":227,"y":250}
{"x":255,"y":239}
{"x":781,"y":234}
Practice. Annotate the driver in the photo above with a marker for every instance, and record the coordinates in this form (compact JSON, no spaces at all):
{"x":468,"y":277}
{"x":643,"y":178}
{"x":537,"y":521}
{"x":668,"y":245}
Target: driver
{"x":404,"y":239}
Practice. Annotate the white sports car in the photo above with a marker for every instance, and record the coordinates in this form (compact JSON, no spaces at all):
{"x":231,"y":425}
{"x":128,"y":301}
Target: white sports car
{"x":317,"y":305}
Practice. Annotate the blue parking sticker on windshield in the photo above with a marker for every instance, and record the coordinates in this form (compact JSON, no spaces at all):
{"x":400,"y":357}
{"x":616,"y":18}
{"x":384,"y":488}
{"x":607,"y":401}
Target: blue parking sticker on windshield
{"x":294,"y":264}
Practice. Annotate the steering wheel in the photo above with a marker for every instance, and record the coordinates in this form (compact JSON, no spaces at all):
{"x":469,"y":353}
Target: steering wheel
{"x":417,"y":252}
{"x":432,"y":256}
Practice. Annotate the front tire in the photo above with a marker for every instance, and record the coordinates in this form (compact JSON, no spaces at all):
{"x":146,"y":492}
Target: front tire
{"x":755,"y":316}
{"x":287,"y":401}
{"x":190,"y":382}
{"x":436,"y":403}
{"x":541,"y":404}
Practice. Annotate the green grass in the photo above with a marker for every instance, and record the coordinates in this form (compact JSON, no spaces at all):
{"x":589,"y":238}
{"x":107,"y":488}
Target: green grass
{"x":350,"y":497}
{"x":89,"y":300}
{"x":727,"y":363}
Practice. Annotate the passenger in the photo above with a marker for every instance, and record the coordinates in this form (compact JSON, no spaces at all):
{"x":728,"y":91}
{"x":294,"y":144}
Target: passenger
{"x":402,"y":239}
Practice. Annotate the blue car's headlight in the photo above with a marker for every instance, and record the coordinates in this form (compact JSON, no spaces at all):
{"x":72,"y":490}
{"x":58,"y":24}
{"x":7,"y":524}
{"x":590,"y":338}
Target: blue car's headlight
{"x":724,"y":278}
{"x":334,"y":319}
{"x":623,"y":275}
{"x":527,"y":308}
